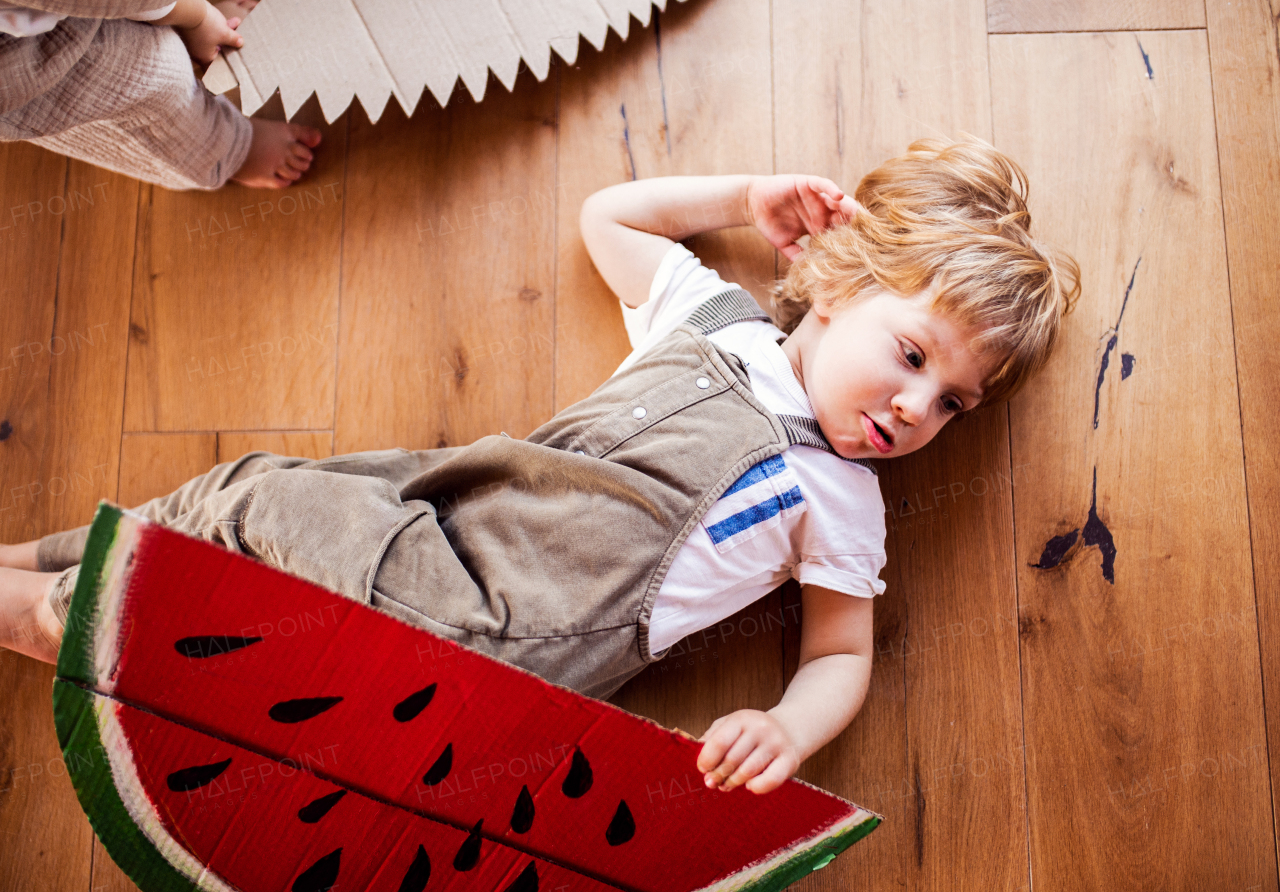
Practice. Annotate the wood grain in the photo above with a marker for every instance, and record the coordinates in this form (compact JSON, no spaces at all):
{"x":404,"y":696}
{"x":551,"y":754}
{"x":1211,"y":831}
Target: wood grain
{"x":1246,"y":70}
{"x":1141,"y":675}
{"x":309,"y":444}
{"x":235,"y":293}
{"x":1014,"y":16}
{"x":154,"y":465}
{"x":448,"y":283}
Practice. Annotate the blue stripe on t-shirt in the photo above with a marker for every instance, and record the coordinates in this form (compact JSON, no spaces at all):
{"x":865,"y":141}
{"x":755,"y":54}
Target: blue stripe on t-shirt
{"x":758,"y":513}
{"x":770,"y":467}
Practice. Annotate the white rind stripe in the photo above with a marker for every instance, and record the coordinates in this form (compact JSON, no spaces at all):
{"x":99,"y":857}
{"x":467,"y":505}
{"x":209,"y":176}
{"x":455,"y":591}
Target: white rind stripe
{"x":119,"y":560}
{"x":124,"y":774}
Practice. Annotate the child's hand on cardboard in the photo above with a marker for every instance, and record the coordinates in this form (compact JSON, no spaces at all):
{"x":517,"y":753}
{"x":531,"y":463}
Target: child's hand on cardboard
{"x":205,"y":40}
{"x":788,"y":207}
{"x":747,"y":747}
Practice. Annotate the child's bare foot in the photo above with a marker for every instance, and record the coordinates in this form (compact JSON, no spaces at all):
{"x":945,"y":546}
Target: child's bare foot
{"x":20,"y":557}
{"x":27,"y":621}
{"x":279,"y":156}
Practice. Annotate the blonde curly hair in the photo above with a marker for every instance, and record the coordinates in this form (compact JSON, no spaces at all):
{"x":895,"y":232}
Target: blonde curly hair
{"x":951,"y":216}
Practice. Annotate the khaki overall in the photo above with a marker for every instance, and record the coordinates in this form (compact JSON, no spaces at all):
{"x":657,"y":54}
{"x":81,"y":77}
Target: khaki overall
{"x":547,"y":552}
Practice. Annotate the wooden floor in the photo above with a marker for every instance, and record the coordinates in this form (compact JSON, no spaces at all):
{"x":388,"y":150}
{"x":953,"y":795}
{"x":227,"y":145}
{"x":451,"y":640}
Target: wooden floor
{"x":1083,"y":606}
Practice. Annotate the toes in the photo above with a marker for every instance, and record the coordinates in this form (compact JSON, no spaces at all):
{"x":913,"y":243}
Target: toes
{"x":285,"y":172}
{"x":308,"y":135}
{"x":302,"y":153}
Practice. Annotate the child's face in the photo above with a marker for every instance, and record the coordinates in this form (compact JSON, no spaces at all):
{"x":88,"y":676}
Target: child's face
{"x":889,"y":360}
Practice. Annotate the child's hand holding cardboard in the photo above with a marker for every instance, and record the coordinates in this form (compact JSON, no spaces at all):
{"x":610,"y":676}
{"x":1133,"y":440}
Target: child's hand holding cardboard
{"x":747,"y":747}
{"x":203,"y":28}
{"x":788,"y":207}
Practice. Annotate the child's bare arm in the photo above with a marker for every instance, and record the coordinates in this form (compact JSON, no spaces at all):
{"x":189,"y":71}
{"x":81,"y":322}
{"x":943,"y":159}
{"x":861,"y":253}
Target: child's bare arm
{"x":627,"y":228}
{"x":763,"y":749}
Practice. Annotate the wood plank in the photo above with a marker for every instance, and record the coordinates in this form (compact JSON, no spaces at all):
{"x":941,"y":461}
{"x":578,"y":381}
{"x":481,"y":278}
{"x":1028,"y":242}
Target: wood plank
{"x":938,"y":739}
{"x":1018,"y":16}
{"x":656,"y":106}
{"x":39,"y":814}
{"x":1243,"y":44}
{"x":447,"y":319}
{"x":1141,"y":672}
{"x":237,"y":291}
{"x":309,"y":444}
{"x":154,"y":465}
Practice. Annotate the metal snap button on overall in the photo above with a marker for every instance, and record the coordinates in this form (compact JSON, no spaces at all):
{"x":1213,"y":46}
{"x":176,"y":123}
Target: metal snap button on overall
{"x":703,"y":383}
{"x":639,"y":412}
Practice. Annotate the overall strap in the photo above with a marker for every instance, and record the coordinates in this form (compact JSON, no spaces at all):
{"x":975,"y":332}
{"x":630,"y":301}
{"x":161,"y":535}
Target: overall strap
{"x":736,"y":305}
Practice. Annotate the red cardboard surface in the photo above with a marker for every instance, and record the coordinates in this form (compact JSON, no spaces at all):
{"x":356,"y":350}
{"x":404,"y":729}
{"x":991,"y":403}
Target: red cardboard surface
{"x":251,"y":659}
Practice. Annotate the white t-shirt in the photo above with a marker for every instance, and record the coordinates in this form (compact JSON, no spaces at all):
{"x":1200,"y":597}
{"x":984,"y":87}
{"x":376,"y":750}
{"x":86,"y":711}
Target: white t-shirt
{"x":805,"y":514}
{"x":19,"y":21}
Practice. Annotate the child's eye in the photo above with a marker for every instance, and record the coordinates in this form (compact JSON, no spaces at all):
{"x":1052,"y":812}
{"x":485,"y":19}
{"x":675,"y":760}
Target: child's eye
{"x":914,"y":359}
{"x":952,"y":405}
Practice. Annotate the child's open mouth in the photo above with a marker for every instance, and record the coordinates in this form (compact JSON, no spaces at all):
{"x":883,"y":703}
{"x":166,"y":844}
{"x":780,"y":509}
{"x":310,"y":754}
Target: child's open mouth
{"x":876,"y":435}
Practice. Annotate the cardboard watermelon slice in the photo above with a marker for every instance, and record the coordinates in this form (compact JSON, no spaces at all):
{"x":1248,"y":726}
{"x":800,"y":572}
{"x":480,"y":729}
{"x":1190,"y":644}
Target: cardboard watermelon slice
{"x":228,"y":726}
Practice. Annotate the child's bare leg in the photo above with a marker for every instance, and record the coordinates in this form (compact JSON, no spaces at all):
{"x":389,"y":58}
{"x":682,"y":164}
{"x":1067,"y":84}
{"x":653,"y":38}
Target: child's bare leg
{"x":21,"y":556}
{"x":28,"y":624}
{"x":279,"y":155}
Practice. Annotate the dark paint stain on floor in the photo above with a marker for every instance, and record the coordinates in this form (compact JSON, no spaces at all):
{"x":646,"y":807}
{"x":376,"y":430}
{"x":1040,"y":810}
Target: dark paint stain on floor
{"x":1057,"y":549}
{"x":6,"y":430}
{"x":1146,"y":60}
{"x":1111,"y":344}
{"x":1096,"y":533}
{"x":1126,"y":365}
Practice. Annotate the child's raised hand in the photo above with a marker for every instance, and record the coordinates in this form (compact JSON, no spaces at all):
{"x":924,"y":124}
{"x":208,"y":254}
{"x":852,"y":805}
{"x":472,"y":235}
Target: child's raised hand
{"x":205,"y":40}
{"x":787,"y":207}
{"x":747,"y":747}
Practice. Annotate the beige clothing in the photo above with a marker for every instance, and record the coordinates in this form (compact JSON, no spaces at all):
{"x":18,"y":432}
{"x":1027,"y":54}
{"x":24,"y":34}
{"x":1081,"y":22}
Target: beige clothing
{"x":122,"y":95}
{"x":546,"y":553}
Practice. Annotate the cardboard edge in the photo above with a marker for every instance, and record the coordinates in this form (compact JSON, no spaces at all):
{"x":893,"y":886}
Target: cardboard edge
{"x":88,"y":767}
{"x":218,"y":77}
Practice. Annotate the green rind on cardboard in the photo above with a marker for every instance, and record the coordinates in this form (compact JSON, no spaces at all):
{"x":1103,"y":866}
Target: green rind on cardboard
{"x":75,"y":654}
{"x":90,"y":772}
{"x":810,"y":860}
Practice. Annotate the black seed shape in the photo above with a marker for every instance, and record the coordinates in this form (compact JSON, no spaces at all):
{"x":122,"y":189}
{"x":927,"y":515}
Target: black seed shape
{"x":410,"y":706}
{"x":317,"y":809}
{"x":439,"y":769}
{"x":321,"y":876}
{"x":291,"y":711}
{"x":622,"y":827}
{"x":522,"y":814}
{"x":527,"y":881}
{"x":199,"y":647}
{"x":578,"y":780}
{"x":196,"y":776}
{"x":469,"y":852}
{"x":415,"y":878}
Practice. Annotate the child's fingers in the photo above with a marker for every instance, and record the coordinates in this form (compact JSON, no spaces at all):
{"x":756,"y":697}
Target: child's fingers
{"x":737,"y":754}
{"x":771,"y":778}
{"x":756,"y":762}
{"x":717,"y":745}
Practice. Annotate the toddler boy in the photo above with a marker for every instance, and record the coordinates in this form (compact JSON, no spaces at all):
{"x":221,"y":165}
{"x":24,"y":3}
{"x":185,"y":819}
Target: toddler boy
{"x":723,"y":457}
